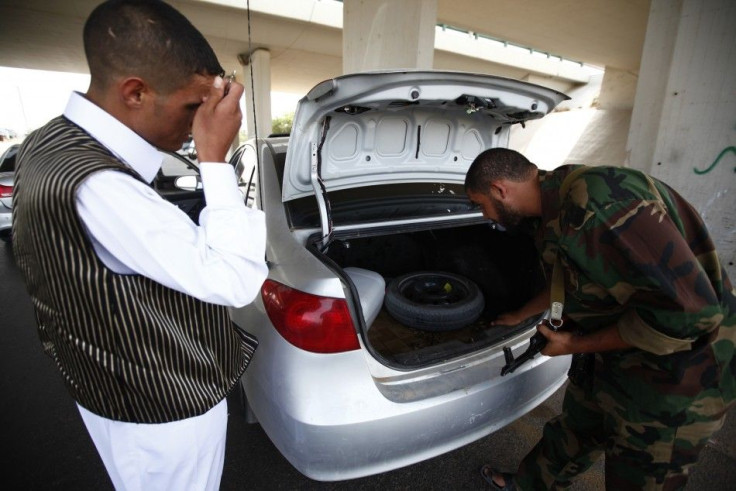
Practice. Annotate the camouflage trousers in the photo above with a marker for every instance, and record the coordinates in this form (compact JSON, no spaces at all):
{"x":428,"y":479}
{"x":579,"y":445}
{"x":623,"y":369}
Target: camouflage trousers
{"x":639,"y":455}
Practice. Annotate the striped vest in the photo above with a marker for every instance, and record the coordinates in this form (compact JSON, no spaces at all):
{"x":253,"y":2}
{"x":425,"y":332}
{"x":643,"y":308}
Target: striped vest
{"x":129,"y":349}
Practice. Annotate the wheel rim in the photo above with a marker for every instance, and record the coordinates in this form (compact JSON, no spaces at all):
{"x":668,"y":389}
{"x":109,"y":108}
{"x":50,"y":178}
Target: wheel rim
{"x":433,"y":290}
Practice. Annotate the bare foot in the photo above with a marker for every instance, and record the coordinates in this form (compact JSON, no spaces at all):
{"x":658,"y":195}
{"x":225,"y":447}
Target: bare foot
{"x":495,"y":479}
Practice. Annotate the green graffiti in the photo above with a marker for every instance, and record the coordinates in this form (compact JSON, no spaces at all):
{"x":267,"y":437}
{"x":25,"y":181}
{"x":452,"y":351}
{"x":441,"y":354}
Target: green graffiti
{"x":715,"y":162}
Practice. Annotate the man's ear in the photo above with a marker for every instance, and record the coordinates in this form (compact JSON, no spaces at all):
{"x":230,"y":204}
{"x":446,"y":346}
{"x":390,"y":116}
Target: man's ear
{"x":133,"y":91}
{"x":499,"y":189}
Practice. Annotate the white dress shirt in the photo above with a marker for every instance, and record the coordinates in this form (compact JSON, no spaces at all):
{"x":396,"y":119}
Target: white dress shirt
{"x":135,"y":231}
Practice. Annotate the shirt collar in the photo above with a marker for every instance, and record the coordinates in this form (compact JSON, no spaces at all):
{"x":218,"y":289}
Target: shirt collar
{"x":123,"y":142}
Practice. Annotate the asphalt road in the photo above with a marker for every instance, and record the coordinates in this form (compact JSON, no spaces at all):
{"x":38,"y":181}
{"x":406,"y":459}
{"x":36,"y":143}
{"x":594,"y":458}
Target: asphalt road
{"x":45,"y":445}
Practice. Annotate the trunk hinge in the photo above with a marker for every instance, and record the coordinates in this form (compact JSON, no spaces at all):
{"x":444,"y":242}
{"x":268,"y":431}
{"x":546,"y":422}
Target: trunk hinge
{"x":320,"y":191}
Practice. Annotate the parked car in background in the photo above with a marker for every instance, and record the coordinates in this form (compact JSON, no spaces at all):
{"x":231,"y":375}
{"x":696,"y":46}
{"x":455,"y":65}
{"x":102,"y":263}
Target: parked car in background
{"x":7,"y":171}
{"x":363,"y":201}
{"x":188,"y":149}
{"x":7,"y":134}
{"x":177,"y":181}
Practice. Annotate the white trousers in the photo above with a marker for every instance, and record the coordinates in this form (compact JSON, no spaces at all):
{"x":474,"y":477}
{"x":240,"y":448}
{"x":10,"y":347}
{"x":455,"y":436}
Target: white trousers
{"x":182,"y":455}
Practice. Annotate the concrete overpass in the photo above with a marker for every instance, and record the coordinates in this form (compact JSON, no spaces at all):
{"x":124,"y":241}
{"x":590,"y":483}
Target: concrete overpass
{"x":665,"y":104}
{"x":305,"y":37}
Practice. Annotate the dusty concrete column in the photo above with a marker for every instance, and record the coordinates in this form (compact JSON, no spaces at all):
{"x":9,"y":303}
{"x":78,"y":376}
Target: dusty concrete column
{"x":603,"y":141}
{"x":618,"y":89}
{"x":388,"y":34}
{"x":257,"y":82}
{"x":683,"y":127}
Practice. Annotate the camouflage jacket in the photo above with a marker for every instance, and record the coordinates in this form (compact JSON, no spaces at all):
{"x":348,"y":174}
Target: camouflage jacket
{"x":641,"y":258}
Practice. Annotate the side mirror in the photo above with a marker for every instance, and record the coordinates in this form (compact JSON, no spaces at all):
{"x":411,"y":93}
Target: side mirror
{"x":188,"y":183}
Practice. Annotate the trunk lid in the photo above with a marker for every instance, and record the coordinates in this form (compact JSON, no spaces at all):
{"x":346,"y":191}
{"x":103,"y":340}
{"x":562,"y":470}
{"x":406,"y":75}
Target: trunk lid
{"x":402,"y":127}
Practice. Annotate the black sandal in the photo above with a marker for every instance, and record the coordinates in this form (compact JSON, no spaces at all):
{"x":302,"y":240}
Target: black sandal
{"x":487,"y":472}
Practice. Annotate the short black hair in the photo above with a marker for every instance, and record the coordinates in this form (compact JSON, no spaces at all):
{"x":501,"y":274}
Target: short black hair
{"x":494,"y":164}
{"x":148,"y":39}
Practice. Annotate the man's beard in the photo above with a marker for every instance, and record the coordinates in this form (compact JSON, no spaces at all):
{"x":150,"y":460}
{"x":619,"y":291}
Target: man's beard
{"x":507,"y":216}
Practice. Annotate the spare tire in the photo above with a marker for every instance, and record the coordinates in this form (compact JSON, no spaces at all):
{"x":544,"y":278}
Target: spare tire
{"x":434,"y":300}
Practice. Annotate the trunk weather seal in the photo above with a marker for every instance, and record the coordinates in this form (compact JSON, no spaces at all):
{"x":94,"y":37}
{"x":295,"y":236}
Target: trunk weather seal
{"x":419,"y":141}
{"x":320,"y":191}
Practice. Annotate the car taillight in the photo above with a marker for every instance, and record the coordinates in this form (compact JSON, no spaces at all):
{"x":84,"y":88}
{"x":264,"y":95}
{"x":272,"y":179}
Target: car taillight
{"x":309,"y":322}
{"x":6,"y":191}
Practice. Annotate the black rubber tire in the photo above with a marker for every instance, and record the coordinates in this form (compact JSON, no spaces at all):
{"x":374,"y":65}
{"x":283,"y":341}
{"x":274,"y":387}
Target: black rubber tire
{"x":434,"y":300}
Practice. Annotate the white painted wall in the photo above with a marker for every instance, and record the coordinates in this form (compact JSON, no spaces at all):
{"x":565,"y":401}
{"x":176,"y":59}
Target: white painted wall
{"x":684,"y":117}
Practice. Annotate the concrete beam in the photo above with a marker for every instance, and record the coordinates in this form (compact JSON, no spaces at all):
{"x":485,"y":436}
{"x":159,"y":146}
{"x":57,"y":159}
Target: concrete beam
{"x":381,"y":34}
{"x":470,"y":45}
{"x":452,"y":42}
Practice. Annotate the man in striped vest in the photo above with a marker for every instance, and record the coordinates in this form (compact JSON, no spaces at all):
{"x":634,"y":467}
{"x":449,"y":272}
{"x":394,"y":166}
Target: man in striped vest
{"x":130,"y":295}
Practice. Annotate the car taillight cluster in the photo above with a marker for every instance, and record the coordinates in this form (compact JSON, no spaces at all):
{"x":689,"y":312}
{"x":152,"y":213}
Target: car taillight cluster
{"x":310,"y":322}
{"x":6,"y":191}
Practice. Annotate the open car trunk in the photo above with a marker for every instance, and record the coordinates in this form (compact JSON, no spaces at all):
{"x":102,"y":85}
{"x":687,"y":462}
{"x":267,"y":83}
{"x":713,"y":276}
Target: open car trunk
{"x":390,"y":151}
{"x":504,"y":265}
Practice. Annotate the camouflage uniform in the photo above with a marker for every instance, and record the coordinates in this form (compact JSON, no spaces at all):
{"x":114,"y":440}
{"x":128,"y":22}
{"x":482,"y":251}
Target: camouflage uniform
{"x":649,"y":266}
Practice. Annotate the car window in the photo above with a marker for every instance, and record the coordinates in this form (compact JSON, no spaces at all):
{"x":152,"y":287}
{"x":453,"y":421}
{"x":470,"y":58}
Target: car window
{"x":173,"y":165}
{"x":245,"y":163}
{"x":7,"y":161}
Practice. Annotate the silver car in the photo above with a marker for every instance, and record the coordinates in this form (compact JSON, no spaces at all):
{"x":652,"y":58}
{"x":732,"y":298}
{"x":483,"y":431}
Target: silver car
{"x":7,"y":179}
{"x":365,"y":209}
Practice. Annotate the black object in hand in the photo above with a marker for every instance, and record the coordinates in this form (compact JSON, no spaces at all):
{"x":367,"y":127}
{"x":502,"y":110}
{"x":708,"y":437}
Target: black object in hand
{"x":536,"y":343}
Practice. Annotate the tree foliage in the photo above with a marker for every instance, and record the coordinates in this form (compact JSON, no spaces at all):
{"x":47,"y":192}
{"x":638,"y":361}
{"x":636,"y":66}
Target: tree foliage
{"x":282,"y":124}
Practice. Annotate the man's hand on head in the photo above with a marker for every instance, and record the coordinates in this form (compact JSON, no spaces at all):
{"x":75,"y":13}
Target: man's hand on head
{"x":217,"y":121}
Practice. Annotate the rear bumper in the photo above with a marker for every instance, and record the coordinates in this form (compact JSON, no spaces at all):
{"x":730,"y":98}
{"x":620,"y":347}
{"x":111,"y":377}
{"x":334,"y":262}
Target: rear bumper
{"x":334,"y":424}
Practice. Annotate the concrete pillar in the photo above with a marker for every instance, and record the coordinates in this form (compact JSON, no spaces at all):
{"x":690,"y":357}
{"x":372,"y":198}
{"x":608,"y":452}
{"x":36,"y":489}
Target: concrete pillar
{"x":380,"y":34}
{"x":618,"y":89}
{"x":603,"y":140}
{"x":683,"y":127}
{"x":257,"y":82}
